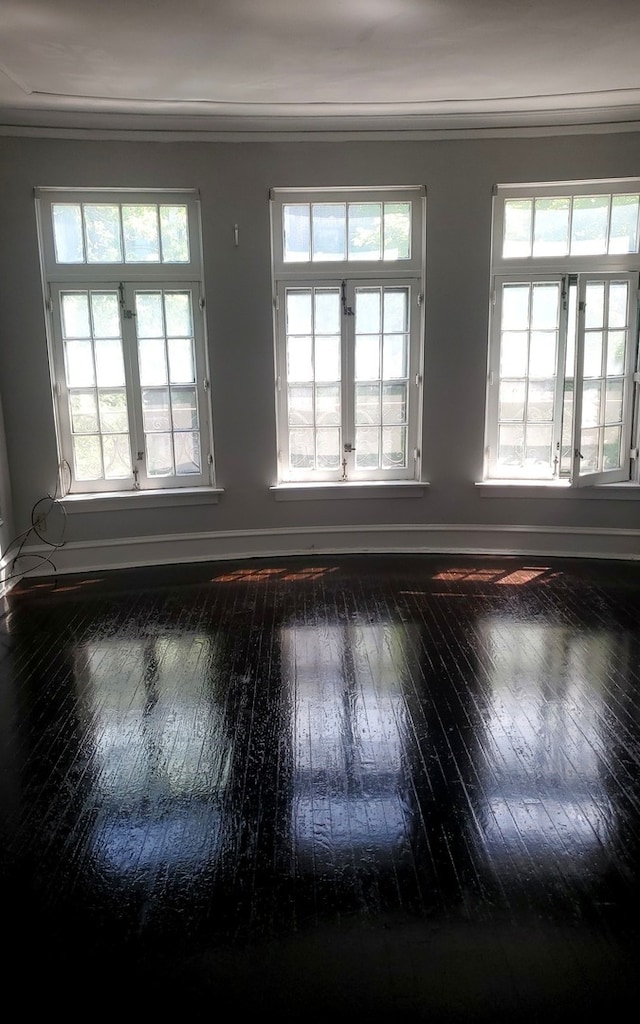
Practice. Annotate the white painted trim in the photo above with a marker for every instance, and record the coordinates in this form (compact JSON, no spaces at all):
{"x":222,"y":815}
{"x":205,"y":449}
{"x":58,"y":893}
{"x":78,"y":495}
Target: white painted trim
{"x":535,"y":541}
{"x":557,"y":489}
{"x":348,"y":489}
{"x":117,"y":501}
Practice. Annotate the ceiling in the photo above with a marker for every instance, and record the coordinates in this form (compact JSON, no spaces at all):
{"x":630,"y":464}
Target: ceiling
{"x":260,"y":66}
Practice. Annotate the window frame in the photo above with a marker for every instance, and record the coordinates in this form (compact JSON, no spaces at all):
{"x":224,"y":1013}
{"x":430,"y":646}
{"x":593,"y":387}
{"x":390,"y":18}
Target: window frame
{"x":579,"y":269}
{"x":125,"y":278}
{"x":347,"y":275}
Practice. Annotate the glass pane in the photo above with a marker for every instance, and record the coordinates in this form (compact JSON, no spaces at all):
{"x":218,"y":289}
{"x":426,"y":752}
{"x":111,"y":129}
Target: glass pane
{"x":367,"y":448}
{"x":612,"y":454}
{"x":616,"y":352}
{"x":300,"y":405}
{"x":328,"y":358}
{"x":102,"y":227}
{"x":396,"y":309}
{"x":177,"y":312}
{"x":87,"y":457}
{"x":540,"y":400}
{"x":538,"y":451}
{"x":394,"y":356}
{"x":327,"y":311}
{"x":594,"y":307}
{"x":365,"y":231}
{"x":589,"y":224}
{"x":302,"y":448}
{"x":590,"y":451}
{"x":78,"y":357}
{"x":545,"y":304}
{"x":510,"y":445}
{"x":517,"y":227}
{"x":512,"y":397}
{"x":623,"y":233}
{"x":299,"y":359}
{"x":328,"y":405}
{"x":75,"y":315}
{"x":394,"y":403}
{"x":105,"y":314}
{"x":159,"y":455}
{"x":174,"y":233}
{"x":592,"y":354}
{"x":84,"y":412}
{"x":515,"y":307}
{"x":109,"y":363}
{"x":513,"y":354}
{"x":67,"y":233}
{"x":613,"y":401}
{"x":184,"y":408}
{"x":572,"y":325}
{"x":141,"y":234}
{"x":328,"y":447}
{"x":328,"y":222}
{"x":367,"y":404}
{"x":394,"y":447}
{"x":367,"y":357}
{"x":152,"y":359}
{"x":542,"y":354}
{"x":591,"y":393}
{"x":297,"y":233}
{"x":618,"y":303}
{"x":368,"y":310}
{"x":156,"y":411}
{"x":117,"y":456}
{"x":181,"y":361}
{"x":113,"y":411}
{"x":566,"y":451}
{"x":397,"y":231}
{"x":149,"y":319}
{"x":299,"y":312}
{"x":551,"y":227}
{"x":187,"y":453}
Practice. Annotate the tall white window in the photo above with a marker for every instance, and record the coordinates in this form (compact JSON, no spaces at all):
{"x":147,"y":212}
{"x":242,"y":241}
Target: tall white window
{"x":348,"y":271}
{"x":123,"y":288}
{"x":562,"y":397}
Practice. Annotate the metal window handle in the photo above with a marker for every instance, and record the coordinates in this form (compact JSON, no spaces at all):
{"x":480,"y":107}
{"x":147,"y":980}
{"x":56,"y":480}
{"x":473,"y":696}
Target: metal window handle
{"x":348,"y":447}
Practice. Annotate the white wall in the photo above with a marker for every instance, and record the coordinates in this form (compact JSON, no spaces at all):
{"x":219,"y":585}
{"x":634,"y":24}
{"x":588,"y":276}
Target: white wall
{"x":234,"y":181}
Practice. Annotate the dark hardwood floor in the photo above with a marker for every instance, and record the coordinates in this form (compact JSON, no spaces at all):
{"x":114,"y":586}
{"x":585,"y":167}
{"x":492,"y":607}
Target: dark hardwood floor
{"x":340,"y":788}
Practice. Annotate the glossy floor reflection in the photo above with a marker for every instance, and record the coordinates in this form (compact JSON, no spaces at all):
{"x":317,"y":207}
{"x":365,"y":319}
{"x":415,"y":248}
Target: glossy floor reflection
{"x":382,"y":787}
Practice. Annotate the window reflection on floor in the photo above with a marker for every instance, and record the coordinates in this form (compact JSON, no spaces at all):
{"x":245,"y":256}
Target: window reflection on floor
{"x":349,"y":736}
{"x":158,"y":785}
{"x":545,"y":800}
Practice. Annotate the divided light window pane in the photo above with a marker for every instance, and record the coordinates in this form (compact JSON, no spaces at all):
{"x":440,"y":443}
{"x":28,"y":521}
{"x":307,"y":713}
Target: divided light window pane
{"x":576,"y":225}
{"x":102,"y":233}
{"x":334,"y":232}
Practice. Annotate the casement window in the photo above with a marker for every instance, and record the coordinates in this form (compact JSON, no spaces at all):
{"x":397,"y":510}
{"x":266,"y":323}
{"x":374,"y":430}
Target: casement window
{"x":562,"y":399}
{"x":122,"y":275}
{"x":348,"y":276}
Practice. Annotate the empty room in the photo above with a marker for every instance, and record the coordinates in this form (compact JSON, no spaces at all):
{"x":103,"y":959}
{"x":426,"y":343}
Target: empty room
{"x":319,"y":508}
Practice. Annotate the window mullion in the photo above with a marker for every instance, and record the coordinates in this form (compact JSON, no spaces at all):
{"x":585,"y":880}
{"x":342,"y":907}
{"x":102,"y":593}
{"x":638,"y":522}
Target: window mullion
{"x":348,"y":342}
{"x":563,"y":322}
{"x":578,"y":384}
{"x":134,"y":390}
{"x":493,"y":377}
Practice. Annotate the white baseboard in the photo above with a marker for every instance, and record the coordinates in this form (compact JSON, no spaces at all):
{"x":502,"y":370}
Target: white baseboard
{"x":130,"y":552}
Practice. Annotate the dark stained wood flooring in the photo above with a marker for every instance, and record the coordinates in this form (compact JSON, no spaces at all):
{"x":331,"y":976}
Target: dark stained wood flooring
{"x":342,"y":788}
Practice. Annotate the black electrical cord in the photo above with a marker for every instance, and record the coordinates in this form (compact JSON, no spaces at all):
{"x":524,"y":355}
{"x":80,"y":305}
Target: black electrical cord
{"x":37,"y":519}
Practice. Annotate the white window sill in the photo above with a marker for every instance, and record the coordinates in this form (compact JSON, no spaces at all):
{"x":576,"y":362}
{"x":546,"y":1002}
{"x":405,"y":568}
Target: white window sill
{"x":329,"y":489}
{"x":555,"y":488}
{"x":115,"y":501}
